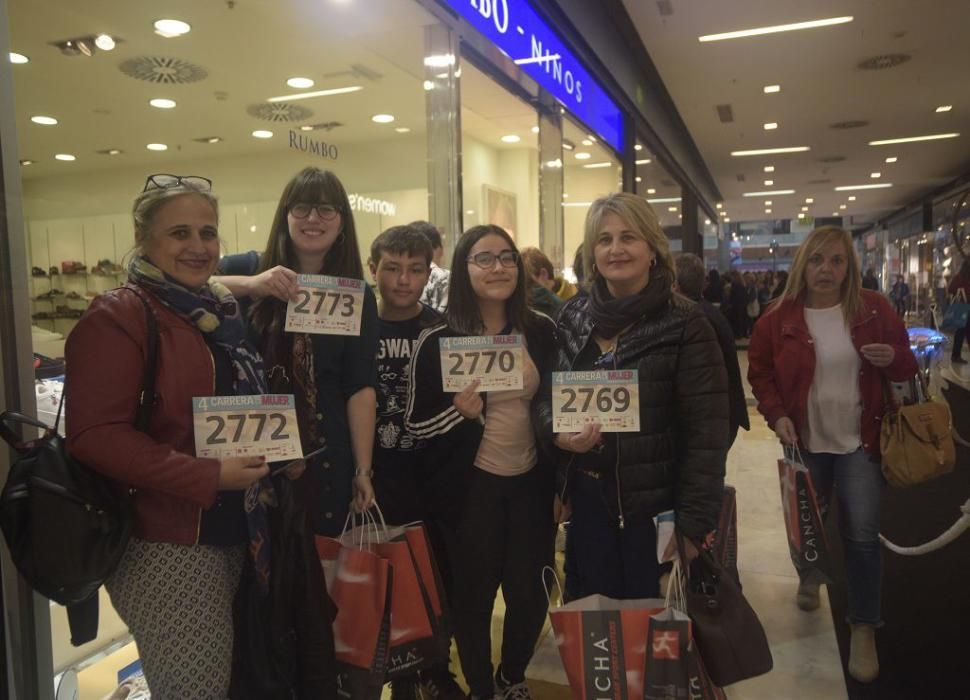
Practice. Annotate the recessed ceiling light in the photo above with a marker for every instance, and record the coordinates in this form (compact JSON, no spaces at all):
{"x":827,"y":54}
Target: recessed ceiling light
{"x":911,"y":139}
{"x":875,"y":176}
{"x":767,"y":202}
{"x":587,"y":142}
{"x":771,"y":151}
{"x":170,"y":28}
{"x":772,"y":88}
{"x":564,"y":195}
{"x":428,"y":85}
{"x":306,"y":127}
{"x":582,"y":155}
{"x":65,"y":157}
{"x":156,"y":147}
{"x":651,"y":190}
{"x":664,"y":200}
{"x":511,"y":138}
{"x":18,"y":58}
{"x":707,"y":222}
{"x":105,"y":42}
{"x":535,"y":130}
{"x":638,"y":147}
{"x":801,"y":215}
{"x":318,"y":93}
{"x":45,"y":121}
{"x":767,"y":194}
{"x":719,"y":205}
{"x":598,"y":165}
{"x":767,"y":211}
{"x":835,"y":213}
{"x":809,"y":200}
{"x":769,"y":183}
{"x":771,"y":125}
{"x":591,"y":137}
{"x":881,"y":185}
{"x":262,"y":134}
{"x":944,"y":108}
{"x":382,"y":118}
{"x":300,"y":83}
{"x":769,"y":168}
{"x":26,"y":161}
{"x":671,"y":208}
{"x":775,"y":29}
{"x":111,"y":152}
{"x":402,"y":129}
{"x":727,"y":219}
{"x":804,"y":208}
{"x":638,"y":178}
{"x":643,"y":161}
{"x":851,"y":197}
{"x":842,"y":206}
{"x":162,"y":103}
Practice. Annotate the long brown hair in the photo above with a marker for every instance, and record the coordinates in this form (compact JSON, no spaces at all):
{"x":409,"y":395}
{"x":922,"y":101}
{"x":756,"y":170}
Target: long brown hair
{"x":850,"y":295}
{"x":463,"y":314}
{"x":343,"y":259}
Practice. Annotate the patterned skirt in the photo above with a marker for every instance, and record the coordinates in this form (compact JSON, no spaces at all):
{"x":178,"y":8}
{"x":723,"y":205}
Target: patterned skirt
{"x":177,"y":603}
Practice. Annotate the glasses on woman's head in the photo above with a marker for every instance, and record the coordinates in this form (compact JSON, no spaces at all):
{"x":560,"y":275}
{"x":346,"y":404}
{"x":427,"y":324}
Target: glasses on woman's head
{"x":164,"y":181}
{"x":486,"y":260}
{"x":301,"y":210}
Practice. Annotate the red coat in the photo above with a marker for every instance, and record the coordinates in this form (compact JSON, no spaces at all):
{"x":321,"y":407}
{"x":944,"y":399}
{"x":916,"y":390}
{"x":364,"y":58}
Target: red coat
{"x":105,"y":356}
{"x":781,"y":363}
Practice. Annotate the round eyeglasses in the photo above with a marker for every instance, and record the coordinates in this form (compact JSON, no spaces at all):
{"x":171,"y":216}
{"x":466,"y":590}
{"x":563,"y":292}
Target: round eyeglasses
{"x":301,"y":210}
{"x":486,"y":260}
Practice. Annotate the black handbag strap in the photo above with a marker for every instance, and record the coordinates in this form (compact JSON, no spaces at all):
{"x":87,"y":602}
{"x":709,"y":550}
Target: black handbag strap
{"x":146,"y":399}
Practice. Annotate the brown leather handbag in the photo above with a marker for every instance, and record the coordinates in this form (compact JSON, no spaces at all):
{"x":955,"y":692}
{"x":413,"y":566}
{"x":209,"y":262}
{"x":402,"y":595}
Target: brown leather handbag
{"x":916,"y":441}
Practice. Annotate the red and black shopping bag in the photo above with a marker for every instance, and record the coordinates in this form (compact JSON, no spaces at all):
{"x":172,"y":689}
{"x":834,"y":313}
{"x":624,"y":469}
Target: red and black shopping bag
{"x":360,"y":584}
{"x":603,"y":643}
{"x":673,"y":668}
{"x":803,"y":520}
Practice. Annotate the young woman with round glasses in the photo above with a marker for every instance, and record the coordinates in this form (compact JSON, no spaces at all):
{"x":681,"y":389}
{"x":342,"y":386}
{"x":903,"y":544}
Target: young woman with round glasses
{"x":333,"y":377}
{"x":491,"y":470}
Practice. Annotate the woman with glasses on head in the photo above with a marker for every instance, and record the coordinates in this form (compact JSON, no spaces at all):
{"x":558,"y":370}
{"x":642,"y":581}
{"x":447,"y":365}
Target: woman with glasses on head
{"x":175,"y":584}
{"x":333,"y":377}
{"x":610,"y":486}
{"x":492,"y":475}
{"x":820,"y":362}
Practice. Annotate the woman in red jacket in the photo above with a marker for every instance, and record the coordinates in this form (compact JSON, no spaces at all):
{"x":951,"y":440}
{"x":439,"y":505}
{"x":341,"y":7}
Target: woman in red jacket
{"x":819,"y":363}
{"x":174,"y":586}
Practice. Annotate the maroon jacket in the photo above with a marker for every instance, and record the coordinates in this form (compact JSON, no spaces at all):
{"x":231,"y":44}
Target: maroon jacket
{"x":105,"y":354}
{"x":781,"y":363}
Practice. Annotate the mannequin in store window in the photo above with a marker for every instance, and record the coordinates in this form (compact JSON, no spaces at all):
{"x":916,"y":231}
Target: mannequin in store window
{"x":333,"y":377}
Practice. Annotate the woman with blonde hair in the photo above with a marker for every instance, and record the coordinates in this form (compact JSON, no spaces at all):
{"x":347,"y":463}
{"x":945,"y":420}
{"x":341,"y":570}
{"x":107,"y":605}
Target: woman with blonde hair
{"x":611,"y":485}
{"x":820,"y":361}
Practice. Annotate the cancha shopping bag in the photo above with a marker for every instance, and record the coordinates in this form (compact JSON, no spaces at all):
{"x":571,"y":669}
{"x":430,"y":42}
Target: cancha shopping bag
{"x":803,"y":519}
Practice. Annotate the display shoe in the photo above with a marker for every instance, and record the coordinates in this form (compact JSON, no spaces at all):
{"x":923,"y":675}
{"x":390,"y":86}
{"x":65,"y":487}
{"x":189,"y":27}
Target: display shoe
{"x":507,"y":690}
{"x":54,"y":270}
{"x":404,"y":689}
{"x":863,"y":660}
{"x":807,"y":597}
{"x":38,"y":272}
{"x":440,"y":683}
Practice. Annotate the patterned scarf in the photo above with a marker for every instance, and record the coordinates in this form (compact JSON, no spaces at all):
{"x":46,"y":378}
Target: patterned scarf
{"x":215,"y":312}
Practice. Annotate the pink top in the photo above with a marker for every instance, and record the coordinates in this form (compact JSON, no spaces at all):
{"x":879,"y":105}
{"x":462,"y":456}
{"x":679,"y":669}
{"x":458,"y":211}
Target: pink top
{"x":508,"y":445}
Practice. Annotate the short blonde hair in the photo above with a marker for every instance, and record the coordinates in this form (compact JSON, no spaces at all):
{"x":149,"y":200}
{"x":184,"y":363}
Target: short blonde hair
{"x":639,"y":216}
{"x":850,"y":295}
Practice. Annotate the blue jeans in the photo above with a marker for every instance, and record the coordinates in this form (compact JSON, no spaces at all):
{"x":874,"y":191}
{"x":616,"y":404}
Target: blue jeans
{"x":602,"y":558}
{"x":859,"y":486}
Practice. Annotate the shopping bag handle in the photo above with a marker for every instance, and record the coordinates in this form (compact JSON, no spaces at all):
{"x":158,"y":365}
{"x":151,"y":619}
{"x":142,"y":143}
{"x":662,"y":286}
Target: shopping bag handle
{"x":546,"y":587}
{"x":676,"y":596}
{"x":791,"y":453}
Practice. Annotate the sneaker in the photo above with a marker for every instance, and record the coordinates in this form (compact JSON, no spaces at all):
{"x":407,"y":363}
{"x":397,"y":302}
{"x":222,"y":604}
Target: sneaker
{"x":507,"y":690}
{"x":405,"y":689}
{"x":440,"y":683}
{"x":863,"y":660}
{"x":807,"y":597}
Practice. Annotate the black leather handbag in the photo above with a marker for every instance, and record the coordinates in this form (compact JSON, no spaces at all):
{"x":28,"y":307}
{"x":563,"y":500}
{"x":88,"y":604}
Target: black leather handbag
{"x":729,"y":634}
{"x":66,"y":525}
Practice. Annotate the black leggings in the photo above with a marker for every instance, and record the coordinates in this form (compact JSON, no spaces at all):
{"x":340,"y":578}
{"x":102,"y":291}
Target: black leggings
{"x":505,"y":537}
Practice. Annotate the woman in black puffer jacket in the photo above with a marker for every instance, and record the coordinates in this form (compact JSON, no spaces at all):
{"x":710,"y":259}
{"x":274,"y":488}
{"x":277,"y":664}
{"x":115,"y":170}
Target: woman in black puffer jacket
{"x":611,"y":485}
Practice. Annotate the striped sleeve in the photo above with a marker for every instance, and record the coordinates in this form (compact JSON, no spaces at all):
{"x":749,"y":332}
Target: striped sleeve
{"x":430,"y":411}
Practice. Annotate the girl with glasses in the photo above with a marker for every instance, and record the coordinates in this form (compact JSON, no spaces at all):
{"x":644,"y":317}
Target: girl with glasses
{"x":489,"y":467}
{"x":613,"y":484}
{"x":333,"y":377}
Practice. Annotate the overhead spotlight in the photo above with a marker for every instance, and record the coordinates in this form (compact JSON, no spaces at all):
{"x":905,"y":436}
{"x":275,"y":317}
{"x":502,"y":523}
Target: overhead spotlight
{"x":86,"y":45}
{"x":104,"y":42}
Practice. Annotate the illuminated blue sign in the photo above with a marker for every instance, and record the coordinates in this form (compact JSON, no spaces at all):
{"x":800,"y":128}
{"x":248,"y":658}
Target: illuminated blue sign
{"x":515,"y":28}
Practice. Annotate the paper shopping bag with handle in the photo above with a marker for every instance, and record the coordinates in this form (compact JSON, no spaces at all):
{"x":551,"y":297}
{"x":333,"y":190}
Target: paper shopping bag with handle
{"x":674,"y":669}
{"x":803,"y":519}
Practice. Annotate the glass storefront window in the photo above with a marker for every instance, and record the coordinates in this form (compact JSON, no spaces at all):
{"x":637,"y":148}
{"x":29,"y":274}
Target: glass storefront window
{"x":590,"y":170}
{"x":221,"y":101}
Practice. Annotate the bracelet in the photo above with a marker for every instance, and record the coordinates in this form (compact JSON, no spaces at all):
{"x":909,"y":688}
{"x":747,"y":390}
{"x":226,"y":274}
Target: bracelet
{"x":364,"y":472}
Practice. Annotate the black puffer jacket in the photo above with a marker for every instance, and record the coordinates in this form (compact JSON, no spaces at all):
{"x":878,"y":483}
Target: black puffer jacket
{"x":677,"y":458}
